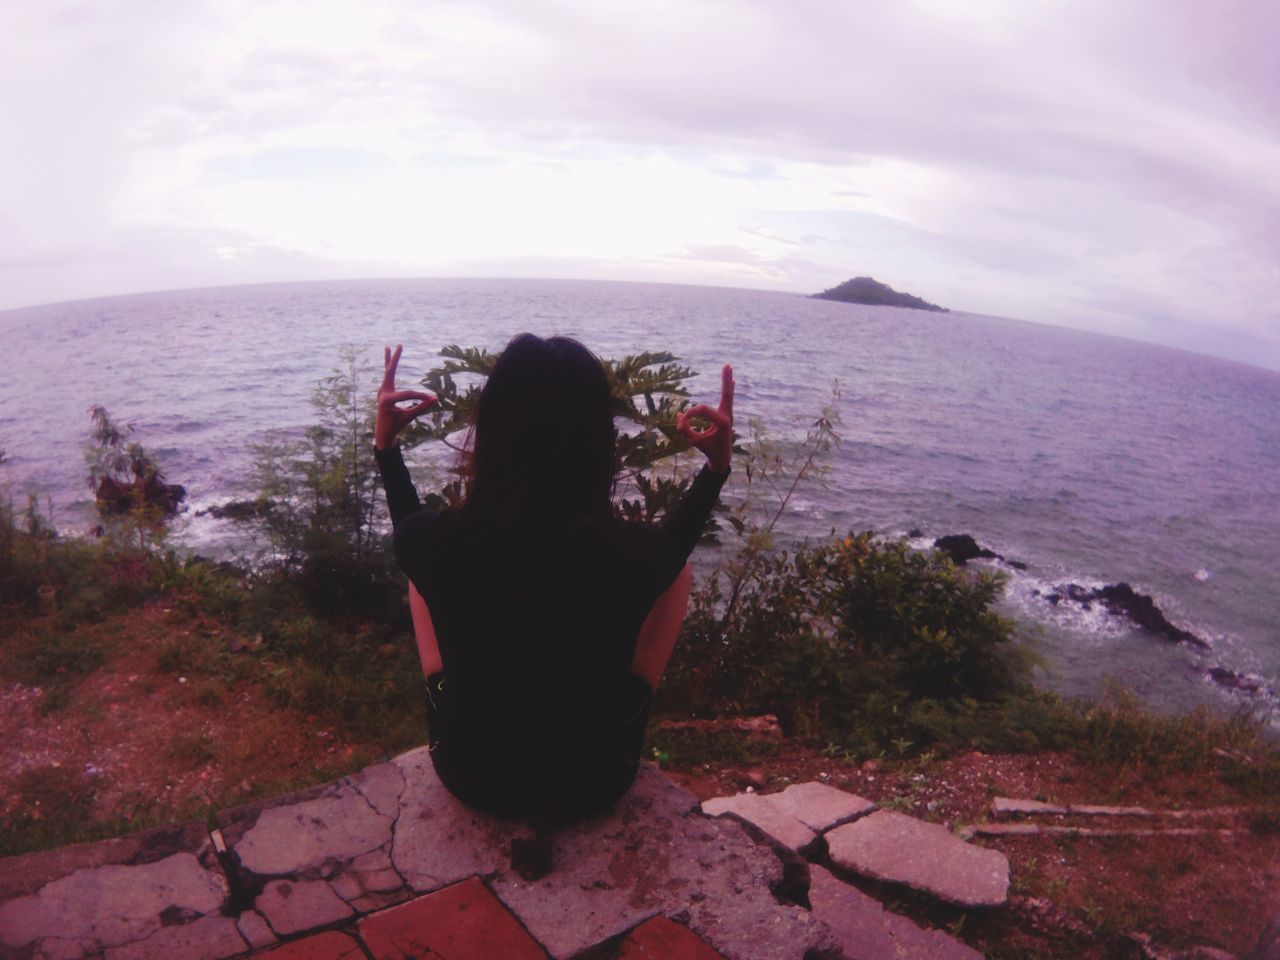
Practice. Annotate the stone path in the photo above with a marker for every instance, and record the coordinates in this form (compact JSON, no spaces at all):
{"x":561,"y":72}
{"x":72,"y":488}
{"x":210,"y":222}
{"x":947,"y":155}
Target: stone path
{"x":387,"y":865}
{"x":1020,"y":817}
{"x":822,"y":823}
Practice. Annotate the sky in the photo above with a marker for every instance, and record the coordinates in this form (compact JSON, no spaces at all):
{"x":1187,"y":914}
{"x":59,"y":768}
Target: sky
{"x":1111,"y":166}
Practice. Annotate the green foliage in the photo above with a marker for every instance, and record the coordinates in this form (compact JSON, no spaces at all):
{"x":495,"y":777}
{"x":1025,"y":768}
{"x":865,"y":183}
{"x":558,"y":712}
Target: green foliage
{"x":647,"y":390}
{"x":369,"y":681}
{"x":128,"y":485}
{"x":319,"y":500}
{"x":25,"y":539}
{"x":110,"y":454}
{"x":858,"y":642}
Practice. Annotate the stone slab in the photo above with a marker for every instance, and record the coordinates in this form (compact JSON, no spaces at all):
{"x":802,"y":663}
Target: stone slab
{"x":1015,"y":807}
{"x":292,"y":839}
{"x":924,"y":856}
{"x":663,"y":939}
{"x":820,"y":806}
{"x":314,"y":833}
{"x":1031,"y":829}
{"x":116,"y":903}
{"x":292,"y":906}
{"x":209,"y":938}
{"x":1000,"y":830}
{"x":782,"y":828}
{"x":1102,"y":810}
{"x":323,"y":946}
{"x":25,"y":874}
{"x":437,"y":840}
{"x":654,"y":854}
{"x":867,"y":931}
{"x":461,"y":922}
{"x":255,"y":930}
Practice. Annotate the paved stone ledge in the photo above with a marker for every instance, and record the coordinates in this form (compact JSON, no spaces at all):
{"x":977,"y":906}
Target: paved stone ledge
{"x":327,"y":873}
{"x":388,"y":864}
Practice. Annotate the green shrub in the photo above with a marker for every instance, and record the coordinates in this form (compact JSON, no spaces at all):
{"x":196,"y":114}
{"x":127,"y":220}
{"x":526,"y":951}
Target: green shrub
{"x":858,"y":642}
{"x":319,"y":500}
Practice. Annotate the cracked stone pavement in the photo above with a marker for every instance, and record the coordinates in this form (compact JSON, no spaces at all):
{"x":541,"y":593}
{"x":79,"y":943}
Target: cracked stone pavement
{"x":388,"y":855}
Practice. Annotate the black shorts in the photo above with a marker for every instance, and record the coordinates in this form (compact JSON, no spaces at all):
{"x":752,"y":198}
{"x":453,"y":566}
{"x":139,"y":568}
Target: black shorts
{"x":568,"y":784}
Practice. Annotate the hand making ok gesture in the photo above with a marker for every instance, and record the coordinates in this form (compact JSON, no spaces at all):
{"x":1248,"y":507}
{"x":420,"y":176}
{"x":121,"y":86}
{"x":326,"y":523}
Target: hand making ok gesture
{"x":393,"y":418}
{"x":716,"y":441}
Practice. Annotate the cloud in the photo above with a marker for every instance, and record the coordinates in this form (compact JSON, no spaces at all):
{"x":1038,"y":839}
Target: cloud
{"x":1097,"y":164}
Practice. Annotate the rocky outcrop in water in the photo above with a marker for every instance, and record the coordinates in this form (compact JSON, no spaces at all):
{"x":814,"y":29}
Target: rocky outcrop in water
{"x":960,"y":548}
{"x":1231,"y":680}
{"x":1122,"y":600}
{"x":241,"y":510}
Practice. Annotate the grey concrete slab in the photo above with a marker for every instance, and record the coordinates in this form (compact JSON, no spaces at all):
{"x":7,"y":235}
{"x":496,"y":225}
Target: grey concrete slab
{"x":381,"y":785}
{"x":820,"y":806}
{"x":304,"y":836}
{"x":92,"y":897}
{"x":924,"y":856}
{"x":781,"y":827}
{"x":296,"y":906}
{"x":437,"y":839}
{"x":1015,"y":807}
{"x":209,"y":938}
{"x":255,"y":930}
{"x":867,"y":931}
{"x":654,"y":854}
{"x":27,"y":873}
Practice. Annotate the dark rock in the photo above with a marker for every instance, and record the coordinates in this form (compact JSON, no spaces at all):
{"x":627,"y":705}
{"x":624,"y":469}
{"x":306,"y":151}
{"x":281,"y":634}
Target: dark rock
{"x":1234,"y":681}
{"x":1123,"y":600}
{"x":915,"y":533}
{"x":240,"y":510}
{"x":961,"y":548}
{"x":1142,"y":610}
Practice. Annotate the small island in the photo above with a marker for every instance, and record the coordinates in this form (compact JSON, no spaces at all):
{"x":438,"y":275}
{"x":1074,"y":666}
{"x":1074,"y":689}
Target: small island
{"x":866,"y":290}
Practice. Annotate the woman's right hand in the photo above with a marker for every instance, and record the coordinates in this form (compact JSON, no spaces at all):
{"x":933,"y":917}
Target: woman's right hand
{"x":393,"y":418}
{"x":716,"y":441}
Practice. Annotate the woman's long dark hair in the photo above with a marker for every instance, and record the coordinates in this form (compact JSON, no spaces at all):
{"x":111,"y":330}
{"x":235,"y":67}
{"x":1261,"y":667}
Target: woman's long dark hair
{"x":543,"y":440}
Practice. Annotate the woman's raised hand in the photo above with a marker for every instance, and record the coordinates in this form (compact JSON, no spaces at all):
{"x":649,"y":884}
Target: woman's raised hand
{"x":716,"y":441}
{"x":393,"y":418}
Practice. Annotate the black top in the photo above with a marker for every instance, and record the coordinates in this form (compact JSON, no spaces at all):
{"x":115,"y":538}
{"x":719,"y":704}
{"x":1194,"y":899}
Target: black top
{"x":536,"y":636}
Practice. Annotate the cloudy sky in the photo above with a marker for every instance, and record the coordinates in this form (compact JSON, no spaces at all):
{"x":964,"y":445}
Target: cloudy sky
{"x":1107,"y":164}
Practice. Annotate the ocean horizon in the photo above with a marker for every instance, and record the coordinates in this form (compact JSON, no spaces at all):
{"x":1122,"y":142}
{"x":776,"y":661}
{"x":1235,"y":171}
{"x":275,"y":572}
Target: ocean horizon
{"x":1086,"y":458}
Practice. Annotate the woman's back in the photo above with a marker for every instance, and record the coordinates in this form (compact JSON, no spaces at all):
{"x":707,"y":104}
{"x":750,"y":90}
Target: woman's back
{"x":537,"y":638}
{"x":544,"y":623}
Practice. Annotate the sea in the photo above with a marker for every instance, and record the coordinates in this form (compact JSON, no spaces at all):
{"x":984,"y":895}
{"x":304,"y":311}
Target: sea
{"x":1088,"y":459}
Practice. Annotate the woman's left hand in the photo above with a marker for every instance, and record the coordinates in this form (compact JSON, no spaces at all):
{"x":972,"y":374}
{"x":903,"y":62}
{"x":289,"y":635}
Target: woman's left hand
{"x":393,"y":418}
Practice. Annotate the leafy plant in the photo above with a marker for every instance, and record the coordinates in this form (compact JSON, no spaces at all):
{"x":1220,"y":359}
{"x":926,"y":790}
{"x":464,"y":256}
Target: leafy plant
{"x":319,"y":500}
{"x":647,"y":389}
{"x":858,"y":642}
{"x":132,"y":498}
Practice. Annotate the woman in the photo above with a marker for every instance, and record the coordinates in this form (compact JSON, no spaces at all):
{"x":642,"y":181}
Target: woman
{"x":543,"y":622}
